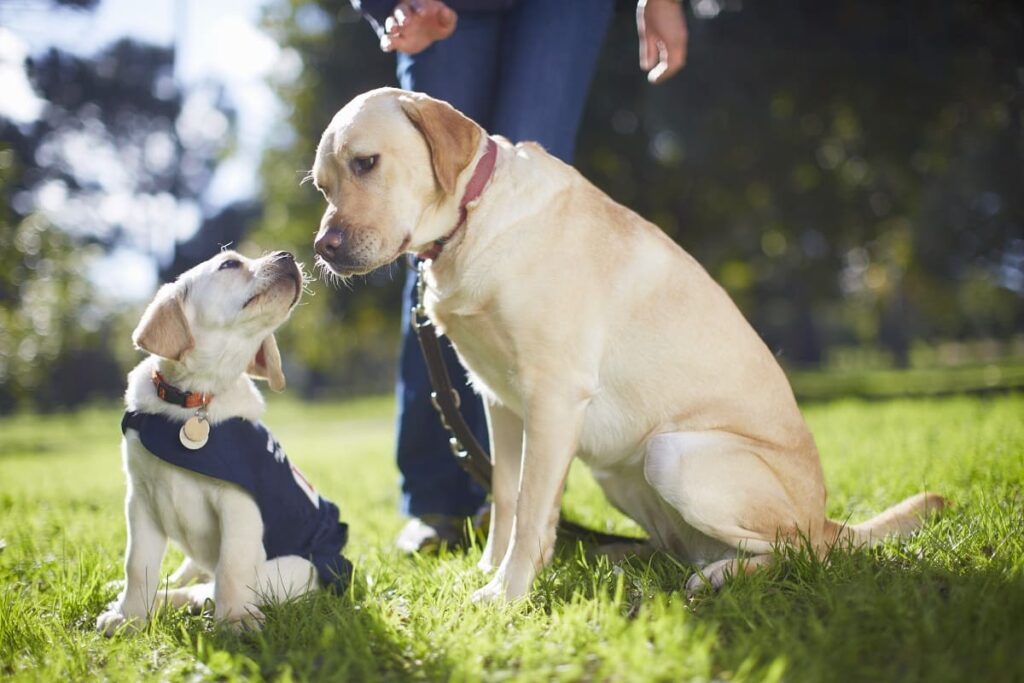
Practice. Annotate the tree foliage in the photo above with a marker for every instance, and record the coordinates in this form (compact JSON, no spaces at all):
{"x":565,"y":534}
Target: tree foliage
{"x":117,"y":160}
{"x":849,"y":171}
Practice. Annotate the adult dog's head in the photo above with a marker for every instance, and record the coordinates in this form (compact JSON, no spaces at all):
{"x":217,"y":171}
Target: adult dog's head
{"x":392,"y":166}
{"x":217,"y":320}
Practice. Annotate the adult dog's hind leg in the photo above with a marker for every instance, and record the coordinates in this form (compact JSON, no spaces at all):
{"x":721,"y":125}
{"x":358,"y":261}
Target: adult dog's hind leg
{"x":722,"y":486}
{"x":716,"y":574}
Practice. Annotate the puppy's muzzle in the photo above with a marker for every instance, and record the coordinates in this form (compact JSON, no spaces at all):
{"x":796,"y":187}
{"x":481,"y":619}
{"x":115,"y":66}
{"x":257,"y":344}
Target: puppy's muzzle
{"x":281,"y":268}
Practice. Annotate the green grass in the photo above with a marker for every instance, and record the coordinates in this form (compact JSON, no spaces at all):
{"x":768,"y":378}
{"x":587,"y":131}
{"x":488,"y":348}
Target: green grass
{"x":945,"y":605}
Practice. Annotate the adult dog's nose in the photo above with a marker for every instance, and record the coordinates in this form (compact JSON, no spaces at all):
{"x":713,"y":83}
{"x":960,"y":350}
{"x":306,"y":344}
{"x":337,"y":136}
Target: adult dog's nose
{"x":328,"y":244}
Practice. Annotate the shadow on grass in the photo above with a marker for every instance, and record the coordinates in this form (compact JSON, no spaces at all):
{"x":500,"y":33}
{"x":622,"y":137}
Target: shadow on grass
{"x":891,"y":613}
{"x":322,"y":636}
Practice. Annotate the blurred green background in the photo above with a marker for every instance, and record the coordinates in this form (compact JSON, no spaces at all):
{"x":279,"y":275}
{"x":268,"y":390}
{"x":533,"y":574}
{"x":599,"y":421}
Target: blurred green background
{"x":851,"y":171}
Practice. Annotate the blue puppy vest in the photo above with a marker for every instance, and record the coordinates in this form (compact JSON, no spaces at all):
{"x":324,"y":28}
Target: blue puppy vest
{"x":296,"y":520}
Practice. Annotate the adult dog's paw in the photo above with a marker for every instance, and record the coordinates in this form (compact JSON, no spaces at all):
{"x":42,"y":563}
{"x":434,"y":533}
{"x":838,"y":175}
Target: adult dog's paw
{"x":709,"y":579}
{"x":485,"y":565}
{"x":110,"y":621}
{"x":493,"y":592}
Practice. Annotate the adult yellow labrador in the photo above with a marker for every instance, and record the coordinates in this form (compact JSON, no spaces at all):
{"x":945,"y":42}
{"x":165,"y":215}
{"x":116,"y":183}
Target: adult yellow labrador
{"x":588,"y":332}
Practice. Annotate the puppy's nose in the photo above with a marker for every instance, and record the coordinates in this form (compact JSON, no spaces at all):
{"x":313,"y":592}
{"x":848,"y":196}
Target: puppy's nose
{"x":281,"y":256}
{"x":329,"y":244}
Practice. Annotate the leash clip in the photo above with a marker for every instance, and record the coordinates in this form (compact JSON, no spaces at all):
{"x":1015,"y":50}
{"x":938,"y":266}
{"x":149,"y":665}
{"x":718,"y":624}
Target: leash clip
{"x":419,"y":311}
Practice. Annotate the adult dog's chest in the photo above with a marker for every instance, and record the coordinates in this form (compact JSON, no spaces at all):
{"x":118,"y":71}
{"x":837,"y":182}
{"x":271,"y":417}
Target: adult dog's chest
{"x":483,"y":344}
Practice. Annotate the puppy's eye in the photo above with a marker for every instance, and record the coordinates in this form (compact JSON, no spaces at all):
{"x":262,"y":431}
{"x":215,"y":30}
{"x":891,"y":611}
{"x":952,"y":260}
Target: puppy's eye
{"x":363,"y":165}
{"x":230,"y":263}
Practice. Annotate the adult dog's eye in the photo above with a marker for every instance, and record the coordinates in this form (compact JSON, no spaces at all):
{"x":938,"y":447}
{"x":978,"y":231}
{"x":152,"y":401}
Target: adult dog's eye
{"x":230,"y":263}
{"x":363,"y":165}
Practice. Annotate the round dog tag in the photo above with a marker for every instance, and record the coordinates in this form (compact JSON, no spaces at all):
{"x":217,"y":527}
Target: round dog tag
{"x":194,"y":433}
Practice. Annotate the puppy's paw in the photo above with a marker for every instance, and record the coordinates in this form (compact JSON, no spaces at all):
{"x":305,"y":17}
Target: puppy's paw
{"x":110,"y":621}
{"x":199,"y":598}
{"x":244,"y":618}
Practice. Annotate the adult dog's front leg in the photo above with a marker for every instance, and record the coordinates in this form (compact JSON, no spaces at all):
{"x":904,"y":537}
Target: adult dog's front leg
{"x":506,"y":432}
{"x":553,"y":417}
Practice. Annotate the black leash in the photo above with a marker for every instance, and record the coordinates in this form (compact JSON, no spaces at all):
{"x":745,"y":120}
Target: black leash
{"x":467,"y":450}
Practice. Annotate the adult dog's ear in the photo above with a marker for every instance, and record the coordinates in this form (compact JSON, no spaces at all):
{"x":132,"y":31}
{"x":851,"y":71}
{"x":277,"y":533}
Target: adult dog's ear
{"x":453,"y":138}
{"x":164,"y":330}
{"x":267,"y":364}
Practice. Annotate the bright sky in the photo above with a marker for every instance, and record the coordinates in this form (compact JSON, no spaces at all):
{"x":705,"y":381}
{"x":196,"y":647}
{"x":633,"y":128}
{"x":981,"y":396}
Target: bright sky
{"x":217,"y":40}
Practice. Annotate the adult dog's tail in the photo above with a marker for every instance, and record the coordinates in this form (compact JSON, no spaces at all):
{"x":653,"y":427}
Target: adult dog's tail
{"x":899,"y":520}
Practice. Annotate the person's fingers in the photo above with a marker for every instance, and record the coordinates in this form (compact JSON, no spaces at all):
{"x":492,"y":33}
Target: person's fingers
{"x":651,"y":51}
{"x":404,"y":43}
{"x":416,"y":6}
{"x":674,"y":58}
{"x":656,"y":73}
{"x":401,"y":14}
{"x":447,"y":17}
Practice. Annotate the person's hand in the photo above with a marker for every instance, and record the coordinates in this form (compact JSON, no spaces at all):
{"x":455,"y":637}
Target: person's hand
{"x":416,"y":24}
{"x":661,"y":26}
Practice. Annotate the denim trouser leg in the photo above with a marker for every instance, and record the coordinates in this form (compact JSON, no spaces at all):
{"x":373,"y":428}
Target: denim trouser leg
{"x":523,"y":74}
{"x":460,"y":70}
{"x":548,"y":54}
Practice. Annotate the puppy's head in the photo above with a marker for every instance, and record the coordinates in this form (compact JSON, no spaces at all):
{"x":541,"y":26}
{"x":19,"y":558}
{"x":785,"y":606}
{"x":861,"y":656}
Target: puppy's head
{"x":390,"y":164}
{"x":218,"y":319}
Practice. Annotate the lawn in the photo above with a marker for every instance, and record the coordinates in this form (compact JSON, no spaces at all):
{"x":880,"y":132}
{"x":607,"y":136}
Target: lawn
{"x":947,"y":604}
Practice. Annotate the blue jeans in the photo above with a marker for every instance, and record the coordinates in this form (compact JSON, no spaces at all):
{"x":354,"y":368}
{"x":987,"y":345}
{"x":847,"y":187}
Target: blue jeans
{"x":523,"y":73}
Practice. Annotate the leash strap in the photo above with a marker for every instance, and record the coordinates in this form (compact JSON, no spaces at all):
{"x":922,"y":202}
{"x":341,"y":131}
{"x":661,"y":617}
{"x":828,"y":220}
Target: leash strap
{"x":467,"y":450}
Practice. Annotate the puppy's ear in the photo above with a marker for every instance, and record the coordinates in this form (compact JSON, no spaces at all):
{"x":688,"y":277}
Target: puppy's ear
{"x":164,"y":330}
{"x":453,"y":139}
{"x":267,"y":364}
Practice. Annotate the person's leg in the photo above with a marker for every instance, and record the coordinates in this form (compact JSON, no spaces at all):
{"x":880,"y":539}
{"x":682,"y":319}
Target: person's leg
{"x":461,"y":70}
{"x":549,"y":51}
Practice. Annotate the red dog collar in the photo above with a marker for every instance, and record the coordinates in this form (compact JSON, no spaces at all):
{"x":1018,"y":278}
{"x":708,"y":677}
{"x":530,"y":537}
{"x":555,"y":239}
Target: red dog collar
{"x":172,"y":394}
{"x":482,"y":173}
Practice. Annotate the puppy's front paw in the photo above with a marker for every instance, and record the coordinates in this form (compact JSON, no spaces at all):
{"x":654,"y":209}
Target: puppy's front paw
{"x":111,"y":620}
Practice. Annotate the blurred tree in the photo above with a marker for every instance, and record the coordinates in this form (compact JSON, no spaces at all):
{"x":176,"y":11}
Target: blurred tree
{"x":115,"y":163}
{"x":344,"y":339}
{"x":850,"y":171}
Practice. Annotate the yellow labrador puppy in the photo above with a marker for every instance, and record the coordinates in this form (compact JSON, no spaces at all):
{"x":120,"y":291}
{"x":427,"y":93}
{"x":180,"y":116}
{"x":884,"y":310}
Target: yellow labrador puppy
{"x":202,"y":470}
{"x":588,"y":332}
